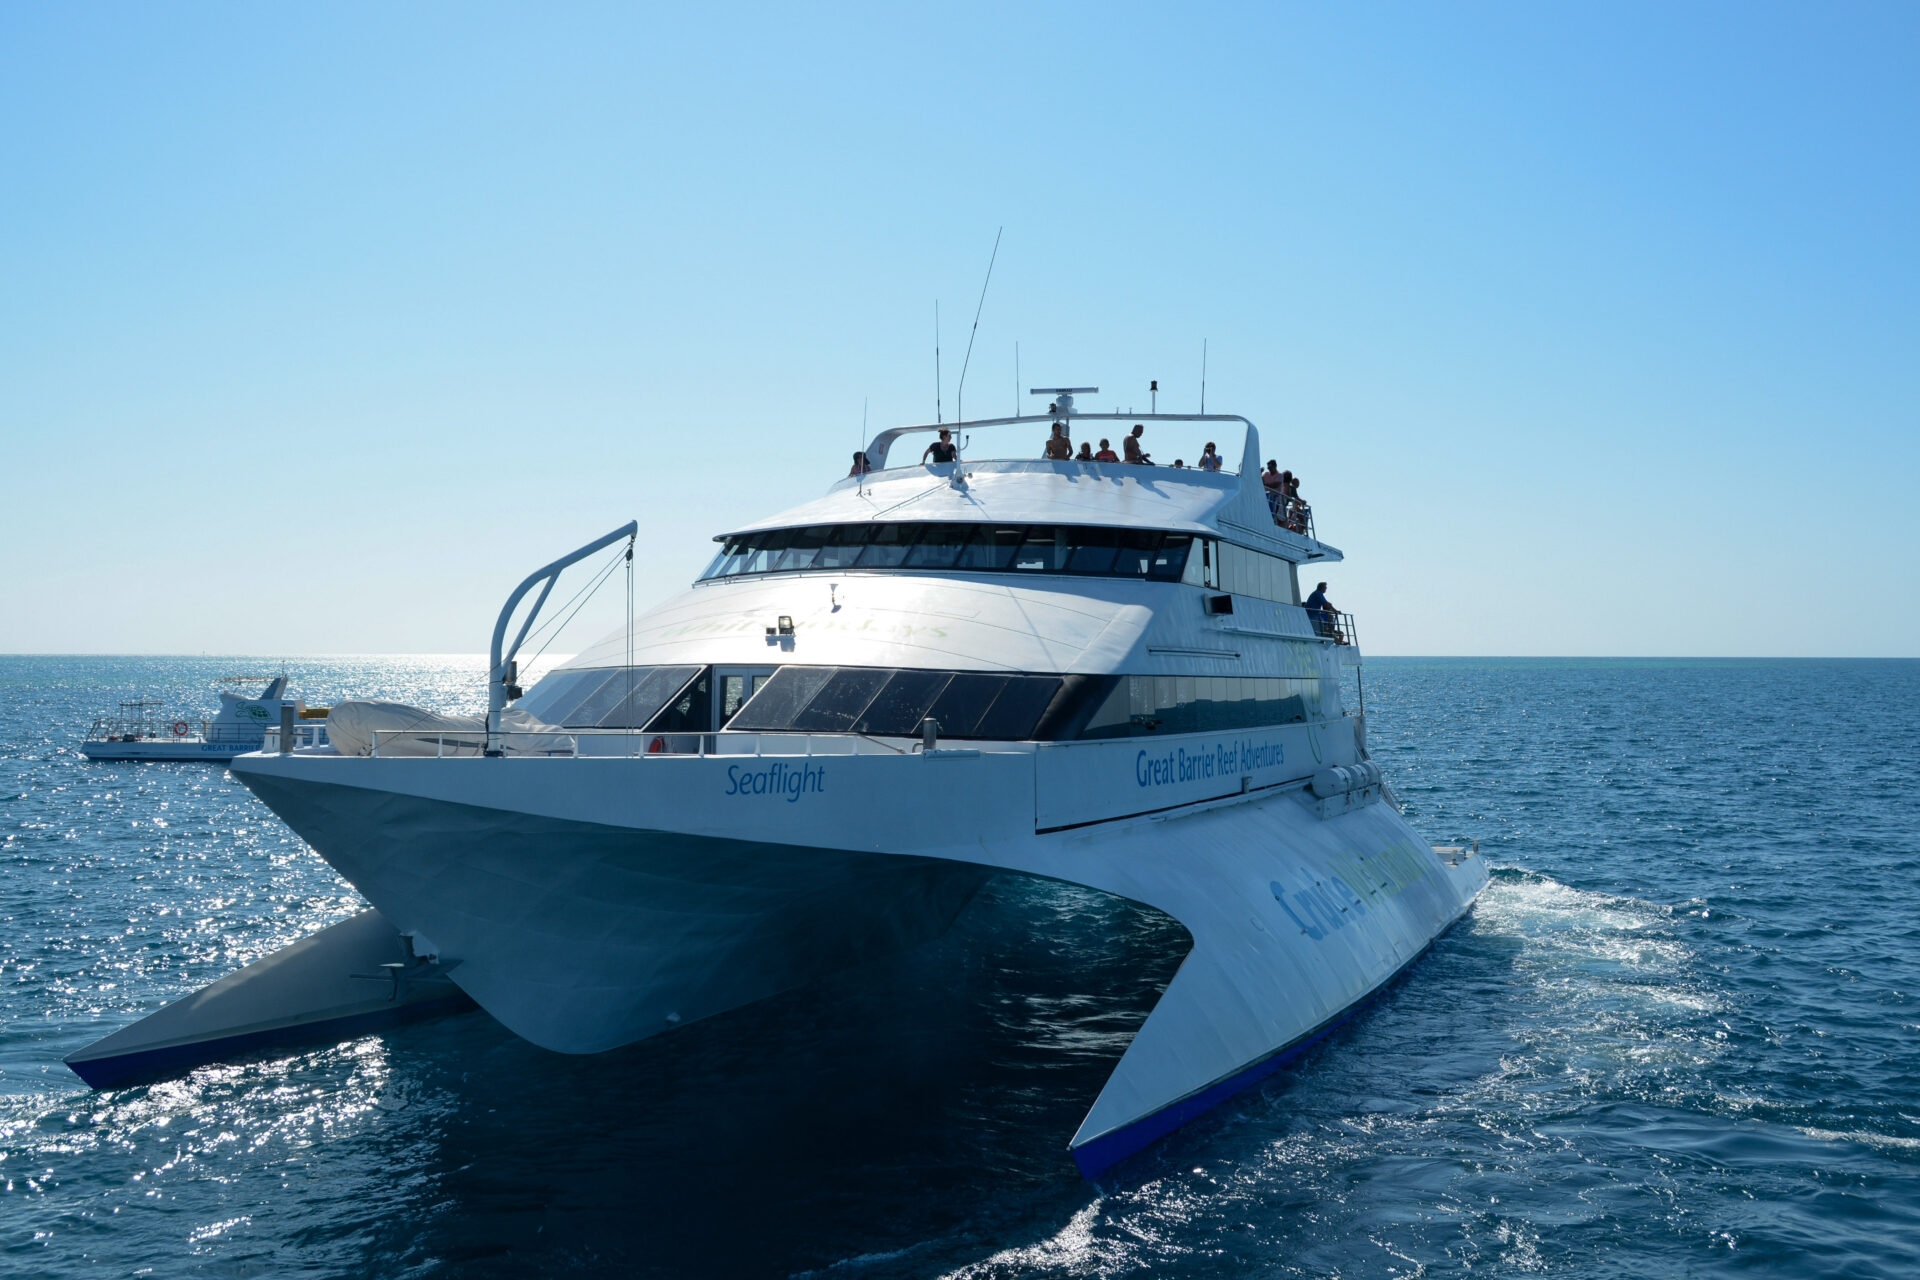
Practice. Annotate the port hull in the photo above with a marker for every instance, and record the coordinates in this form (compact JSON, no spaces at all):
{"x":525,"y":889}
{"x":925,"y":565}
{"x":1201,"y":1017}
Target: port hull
{"x":583,"y":936}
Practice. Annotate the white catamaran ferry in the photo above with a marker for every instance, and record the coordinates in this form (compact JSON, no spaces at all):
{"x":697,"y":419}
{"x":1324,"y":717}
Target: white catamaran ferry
{"x":1095,"y":672}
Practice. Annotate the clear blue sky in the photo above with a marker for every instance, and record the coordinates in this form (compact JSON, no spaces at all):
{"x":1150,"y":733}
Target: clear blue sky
{"x":1593,"y":329}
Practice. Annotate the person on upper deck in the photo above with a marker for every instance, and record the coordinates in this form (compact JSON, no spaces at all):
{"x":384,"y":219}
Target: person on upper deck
{"x":942,"y":450}
{"x":1085,"y":454}
{"x":1131,"y":443}
{"x":1179,"y":464}
{"x":1320,"y":611}
{"x":1059,"y":448}
{"x":1209,"y":460}
{"x":1275,"y":481}
{"x":860,"y":464}
{"x":1106,"y":453}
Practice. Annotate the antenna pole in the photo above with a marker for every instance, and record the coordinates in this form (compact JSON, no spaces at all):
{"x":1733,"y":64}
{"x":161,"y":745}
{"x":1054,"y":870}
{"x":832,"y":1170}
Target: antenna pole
{"x":960,"y":392}
{"x":860,"y":485}
{"x":936,"y":362}
{"x":1203,"y":375}
{"x":1016,"y":377}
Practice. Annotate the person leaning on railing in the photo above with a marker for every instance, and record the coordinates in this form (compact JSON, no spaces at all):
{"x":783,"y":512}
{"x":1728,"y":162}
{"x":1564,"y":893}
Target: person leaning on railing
{"x":1298,"y":512}
{"x":941,"y":450}
{"x":1320,"y":611}
{"x":1275,"y":481}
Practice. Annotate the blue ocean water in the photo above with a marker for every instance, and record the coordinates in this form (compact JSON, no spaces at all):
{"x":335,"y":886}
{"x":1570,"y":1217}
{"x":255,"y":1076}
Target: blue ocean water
{"x":1678,"y":1035}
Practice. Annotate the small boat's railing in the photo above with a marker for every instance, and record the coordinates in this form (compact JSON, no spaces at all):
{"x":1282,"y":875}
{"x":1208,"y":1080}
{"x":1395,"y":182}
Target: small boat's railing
{"x":603,"y":743}
{"x":153,"y":729}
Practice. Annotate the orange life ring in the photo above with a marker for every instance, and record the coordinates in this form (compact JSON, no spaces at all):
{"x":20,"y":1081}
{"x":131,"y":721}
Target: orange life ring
{"x":657,"y":746}
{"x":181,"y":728}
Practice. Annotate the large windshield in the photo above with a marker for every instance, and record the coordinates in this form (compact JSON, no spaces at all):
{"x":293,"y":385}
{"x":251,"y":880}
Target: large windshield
{"x":966,"y":548}
{"x":605,"y":697}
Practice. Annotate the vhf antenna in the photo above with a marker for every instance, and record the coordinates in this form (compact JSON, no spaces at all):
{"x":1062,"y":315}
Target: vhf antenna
{"x":1153,"y":389}
{"x":936,"y":361}
{"x":1203,"y":375}
{"x":960,"y":392}
{"x":860,"y":485}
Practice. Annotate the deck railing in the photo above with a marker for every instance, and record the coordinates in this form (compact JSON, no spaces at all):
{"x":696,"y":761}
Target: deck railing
{"x":307,"y":735}
{"x":590,"y":743}
{"x":1332,"y":624}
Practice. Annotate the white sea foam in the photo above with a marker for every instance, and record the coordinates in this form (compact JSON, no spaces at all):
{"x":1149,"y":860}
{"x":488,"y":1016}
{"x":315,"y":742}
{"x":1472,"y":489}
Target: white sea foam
{"x":1879,"y":1141}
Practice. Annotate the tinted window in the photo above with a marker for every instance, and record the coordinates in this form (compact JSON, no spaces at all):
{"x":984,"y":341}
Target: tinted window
{"x":843,"y":547}
{"x":981,"y":548}
{"x":805,"y":545}
{"x":899,"y":707}
{"x":784,"y":696}
{"x":762,"y":550}
{"x":1135,"y":556}
{"x":841,"y":700}
{"x":690,"y":710}
{"x":1017,"y":710}
{"x":888,"y":545}
{"x":939,"y":546}
{"x":1201,"y":704}
{"x":594,"y":700}
{"x":1170,"y":558}
{"x":637,"y":700}
{"x":964,"y":701}
{"x":1044,"y":551}
{"x":1093,"y":550}
{"x":559,"y":693}
{"x":991,"y":548}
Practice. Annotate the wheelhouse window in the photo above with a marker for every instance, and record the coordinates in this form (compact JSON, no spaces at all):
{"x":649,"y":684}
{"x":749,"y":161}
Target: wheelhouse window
{"x":967,"y":548}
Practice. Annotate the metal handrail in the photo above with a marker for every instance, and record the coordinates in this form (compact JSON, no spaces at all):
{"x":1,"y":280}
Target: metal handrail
{"x":878,"y":448}
{"x":306,"y":733}
{"x":1334,"y":625}
{"x":701,"y":745}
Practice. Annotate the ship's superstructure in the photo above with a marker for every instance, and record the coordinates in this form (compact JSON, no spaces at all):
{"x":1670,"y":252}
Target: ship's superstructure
{"x":1096,"y":672}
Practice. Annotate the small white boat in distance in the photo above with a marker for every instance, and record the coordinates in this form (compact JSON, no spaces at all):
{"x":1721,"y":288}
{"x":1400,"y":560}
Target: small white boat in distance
{"x":141,"y":731}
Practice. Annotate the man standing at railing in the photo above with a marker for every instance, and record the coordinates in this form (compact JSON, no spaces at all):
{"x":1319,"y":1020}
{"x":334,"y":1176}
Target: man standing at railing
{"x":1321,"y":610}
{"x":1059,"y":447}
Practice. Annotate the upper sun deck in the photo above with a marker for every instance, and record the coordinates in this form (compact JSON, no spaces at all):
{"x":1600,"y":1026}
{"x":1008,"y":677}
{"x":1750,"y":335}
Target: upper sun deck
{"x":1032,"y":491}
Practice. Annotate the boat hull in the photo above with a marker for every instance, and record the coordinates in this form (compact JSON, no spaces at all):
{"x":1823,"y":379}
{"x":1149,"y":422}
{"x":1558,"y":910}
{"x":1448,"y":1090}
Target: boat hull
{"x":587,"y":903}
